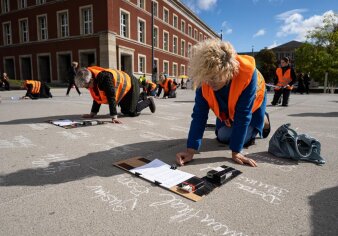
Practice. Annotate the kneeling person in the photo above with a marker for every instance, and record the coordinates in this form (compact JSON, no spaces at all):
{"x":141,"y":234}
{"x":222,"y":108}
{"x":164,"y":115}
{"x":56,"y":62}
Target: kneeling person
{"x":113,"y":87}
{"x":36,"y":89}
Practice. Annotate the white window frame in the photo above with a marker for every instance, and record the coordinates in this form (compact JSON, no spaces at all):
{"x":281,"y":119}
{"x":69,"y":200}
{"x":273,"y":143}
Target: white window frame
{"x":175,"y":47}
{"x":189,"y":50}
{"x":7,"y":36}
{"x":22,"y":4}
{"x":164,"y":15}
{"x":189,"y":30}
{"x":139,"y":32}
{"x":59,"y":23}
{"x":175,"y":69}
{"x":182,"y":69}
{"x":156,"y":36}
{"x":88,"y":23}
{"x":164,"y":43}
{"x":5,"y":6}
{"x":127,"y":25}
{"x":155,"y":8}
{"x":201,"y":37}
{"x":175,"y":21}
{"x":166,"y":65}
{"x":24,"y":35}
{"x":40,"y":2}
{"x":195,"y":34}
{"x":142,"y":64}
{"x":182,"y":47}
{"x":183,"y":26}
{"x":140,"y":3}
{"x":42,"y":31}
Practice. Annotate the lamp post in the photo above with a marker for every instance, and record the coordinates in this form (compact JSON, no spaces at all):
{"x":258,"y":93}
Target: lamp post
{"x":252,"y":50}
{"x":152,"y":43}
{"x":221,"y":35}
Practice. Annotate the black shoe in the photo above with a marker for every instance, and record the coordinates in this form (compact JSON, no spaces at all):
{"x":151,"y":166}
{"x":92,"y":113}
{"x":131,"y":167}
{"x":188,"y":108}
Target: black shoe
{"x":152,"y":105}
{"x":267,"y":126}
{"x":273,"y":104}
{"x":284,"y":105}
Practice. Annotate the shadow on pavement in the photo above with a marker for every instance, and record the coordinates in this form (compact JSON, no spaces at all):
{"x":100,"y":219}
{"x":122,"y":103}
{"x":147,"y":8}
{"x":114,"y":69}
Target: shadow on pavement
{"x":326,"y":114}
{"x":100,"y":163}
{"x":324,"y":215}
{"x":47,"y":118}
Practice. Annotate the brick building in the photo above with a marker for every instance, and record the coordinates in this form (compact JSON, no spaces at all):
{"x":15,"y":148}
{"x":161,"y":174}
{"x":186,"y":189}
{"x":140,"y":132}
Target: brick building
{"x":40,"y":38}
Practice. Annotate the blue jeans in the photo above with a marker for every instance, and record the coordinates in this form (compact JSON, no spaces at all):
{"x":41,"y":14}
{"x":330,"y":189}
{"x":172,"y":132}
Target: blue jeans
{"x":224,"y":134}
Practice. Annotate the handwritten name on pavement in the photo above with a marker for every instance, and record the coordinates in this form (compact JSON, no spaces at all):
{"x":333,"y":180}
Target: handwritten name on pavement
{"x":53,"y":163}
{"x":17,"y":142}
{"x":119,"y":148}
{"x":273,"y":162}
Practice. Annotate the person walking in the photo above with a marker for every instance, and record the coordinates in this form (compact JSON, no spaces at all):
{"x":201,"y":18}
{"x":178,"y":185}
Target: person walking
{"x":307,"y":82}
{"x":285,"y":78}
{"x":71,"y":81}
{"x":232,"y":87}
{"x":5,"y":81}
{"x":113,"y":87}
{"x":301,"y":87}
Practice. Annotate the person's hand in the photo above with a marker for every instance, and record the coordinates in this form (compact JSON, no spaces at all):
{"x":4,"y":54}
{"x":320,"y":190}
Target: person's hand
{"x":241,"y":159}
{"x":185,"y":157}
{"x":116,"y":121}
{"x":91,"y":115}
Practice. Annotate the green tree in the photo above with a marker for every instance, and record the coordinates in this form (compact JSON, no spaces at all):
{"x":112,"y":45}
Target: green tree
{"x":266,"y":64}
{"x":320,"y":53}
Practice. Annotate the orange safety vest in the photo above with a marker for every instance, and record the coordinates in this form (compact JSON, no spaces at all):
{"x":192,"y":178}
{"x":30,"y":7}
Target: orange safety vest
{"x":165,"y":85}
{"x":283,"y":79}
{"x":152,"y":85}
{"x":121,"y":80}
{"x":36,"y":85}
{"x":239,"y":83}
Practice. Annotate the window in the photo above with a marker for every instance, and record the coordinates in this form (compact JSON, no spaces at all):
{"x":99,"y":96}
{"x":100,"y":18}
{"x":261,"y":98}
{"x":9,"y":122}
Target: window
{"x":24,"y":33}
{"x":63,"y":29}
{"x":182,"y":48}
{"x":195,"y":34}
{"x":140,"y":4}
{"x":182,"y":26}
{"x":142,"y":64}
{"x":166,"y":67}
{"x":201,"y":37}
{"x":22,"y":4}
{"x":39,"y":2}
{"x":5,"y":6}
{"x":205,"y":37}
{"x":141,"y":31}
{"x":175,"y":20}
{"x":166,"y":15}
{"x":165,"y":41}
{"x":124,"y":24}
{"x":182,"y":70}
{"x":155,"y":8}
{"x":175,"y":69}
{"x":86,"y":20}
{"x":7,"y":31}
{"x":175,"y":40}
{"x":42,"y":28}
{"x":155,"y":36}
{"x":189,"y":49}
{"x":190,"y":30}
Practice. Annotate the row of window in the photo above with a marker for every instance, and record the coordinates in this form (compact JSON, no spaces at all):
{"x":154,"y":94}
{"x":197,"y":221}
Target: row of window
{"x":86,"y":26}
{"x":5,"y":6}
{"x":174,"y":72}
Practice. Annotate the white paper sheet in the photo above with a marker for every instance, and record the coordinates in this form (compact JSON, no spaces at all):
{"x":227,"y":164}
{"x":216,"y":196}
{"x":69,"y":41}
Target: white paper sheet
{"x":64,"y":122}
{"x":159,"y":171}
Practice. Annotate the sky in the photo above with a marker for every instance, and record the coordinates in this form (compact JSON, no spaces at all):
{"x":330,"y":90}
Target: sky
{"x":256,"y":24}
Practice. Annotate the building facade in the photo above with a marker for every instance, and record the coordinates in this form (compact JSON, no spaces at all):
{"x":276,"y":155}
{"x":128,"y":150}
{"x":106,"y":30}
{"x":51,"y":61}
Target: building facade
{"x":40,"y":38}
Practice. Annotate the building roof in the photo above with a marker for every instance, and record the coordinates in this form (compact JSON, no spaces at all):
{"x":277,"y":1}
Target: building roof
{"x":288,"y":46}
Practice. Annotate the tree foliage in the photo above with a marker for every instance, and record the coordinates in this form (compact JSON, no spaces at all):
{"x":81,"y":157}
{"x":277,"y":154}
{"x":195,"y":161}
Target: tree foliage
{"x":266,"y":63}
{"x":320,"y":53}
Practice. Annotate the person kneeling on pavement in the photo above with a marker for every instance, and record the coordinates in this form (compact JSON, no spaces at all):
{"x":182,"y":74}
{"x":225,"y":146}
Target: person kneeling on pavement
{"x":113,"y":87}
{"x":36,"y":89}
{"x":168,"y":85}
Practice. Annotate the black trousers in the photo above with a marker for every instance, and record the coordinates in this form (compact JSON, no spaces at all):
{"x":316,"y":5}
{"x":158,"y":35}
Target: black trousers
{"x":278,"y":94}
{"x":70,"y":85}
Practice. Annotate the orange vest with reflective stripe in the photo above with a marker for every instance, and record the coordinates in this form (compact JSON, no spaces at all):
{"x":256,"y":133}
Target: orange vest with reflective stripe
{"x":36,"y":85}
{"x":238,"y":85}
{"x":283,"y":79}
{"x":165,"y":85}
{"x":152,"y":85}
{"x":121,"y":80}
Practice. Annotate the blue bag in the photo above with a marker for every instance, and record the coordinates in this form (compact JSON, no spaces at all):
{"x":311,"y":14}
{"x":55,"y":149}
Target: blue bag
{"x":286,"y":143}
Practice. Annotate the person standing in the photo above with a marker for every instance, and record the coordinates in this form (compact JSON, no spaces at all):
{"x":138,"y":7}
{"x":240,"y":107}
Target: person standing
{"x":307,"y":82}
{"x":71,"y":82}
{"x":113,"y":87}
{"x":232,"y":87}
{"x":5,"y":81}
{"x":301,"y":87}
{"x":285,"y":78}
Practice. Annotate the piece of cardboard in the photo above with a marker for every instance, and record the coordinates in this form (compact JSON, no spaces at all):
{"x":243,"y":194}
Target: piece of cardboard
{"x":198,"y":195}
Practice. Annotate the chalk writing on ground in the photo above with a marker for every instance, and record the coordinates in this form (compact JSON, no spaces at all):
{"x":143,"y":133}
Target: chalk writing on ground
{"x":180,"y":129}
{"x":273,"y":162}
{"x":74,"y":134}
{"x":38,"y":127}
{"x":118,"y":148}
{"x":17,"y":142}
{"x":155,"y":136}
{"x":53,"y":163}
{"x":145,"y":122}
